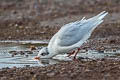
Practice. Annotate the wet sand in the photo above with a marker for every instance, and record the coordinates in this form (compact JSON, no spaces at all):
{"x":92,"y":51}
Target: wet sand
{"x":21,"y":20}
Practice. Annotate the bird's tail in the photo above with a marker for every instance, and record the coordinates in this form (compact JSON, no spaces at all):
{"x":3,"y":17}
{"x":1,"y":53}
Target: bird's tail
{"x":99,"y":16}
{"x":95,"y":21}
{"x":90,"y":24}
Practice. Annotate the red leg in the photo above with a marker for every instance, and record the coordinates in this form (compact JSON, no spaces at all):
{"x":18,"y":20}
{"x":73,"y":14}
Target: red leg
{"x":76,"y":53}
{"x":71,"y":53}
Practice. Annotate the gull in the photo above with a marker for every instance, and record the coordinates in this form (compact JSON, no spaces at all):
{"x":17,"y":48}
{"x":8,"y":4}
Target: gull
{"x":71,"y":36}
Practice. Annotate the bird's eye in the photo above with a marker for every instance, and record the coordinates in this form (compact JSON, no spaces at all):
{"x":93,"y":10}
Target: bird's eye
{"x":43,"y":54}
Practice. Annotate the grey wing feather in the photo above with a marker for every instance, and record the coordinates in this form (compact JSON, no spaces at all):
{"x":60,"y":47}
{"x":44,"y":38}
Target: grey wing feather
{"x":73,"y":32}
{"x":68,"y":33}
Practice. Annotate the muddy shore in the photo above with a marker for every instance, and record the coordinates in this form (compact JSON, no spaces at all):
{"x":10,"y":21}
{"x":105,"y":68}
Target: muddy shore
{"x":104,"y":69}
{"x":32,"y":20}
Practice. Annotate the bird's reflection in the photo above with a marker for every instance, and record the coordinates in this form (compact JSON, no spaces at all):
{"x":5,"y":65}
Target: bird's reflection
{"x":45,"y":62}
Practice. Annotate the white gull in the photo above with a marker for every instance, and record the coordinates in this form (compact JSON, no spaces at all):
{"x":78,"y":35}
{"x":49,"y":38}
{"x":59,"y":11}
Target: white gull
{"x":71,"y":36}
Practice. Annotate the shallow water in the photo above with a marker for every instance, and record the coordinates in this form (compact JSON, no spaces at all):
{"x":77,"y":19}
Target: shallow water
{"x":26,"y":60}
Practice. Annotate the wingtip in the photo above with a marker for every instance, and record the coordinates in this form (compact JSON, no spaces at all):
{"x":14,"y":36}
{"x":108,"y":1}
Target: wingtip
{"x":105,"y":12}
{"x":102,"y":15}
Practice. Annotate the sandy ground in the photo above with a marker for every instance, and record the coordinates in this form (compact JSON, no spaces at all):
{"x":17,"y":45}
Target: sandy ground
{"x":41,"y":19}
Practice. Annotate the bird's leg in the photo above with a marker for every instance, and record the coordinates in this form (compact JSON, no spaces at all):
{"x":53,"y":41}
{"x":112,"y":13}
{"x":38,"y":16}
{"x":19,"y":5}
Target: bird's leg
{"x":76,"y":53}
{"x":71,"y":53}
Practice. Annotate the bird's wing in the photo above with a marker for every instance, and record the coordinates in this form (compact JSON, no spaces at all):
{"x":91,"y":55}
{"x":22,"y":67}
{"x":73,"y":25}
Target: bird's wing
{"x":73,"y":32}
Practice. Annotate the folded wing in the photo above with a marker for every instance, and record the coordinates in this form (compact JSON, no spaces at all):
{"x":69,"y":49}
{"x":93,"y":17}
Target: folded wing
{"x":74,"y":32}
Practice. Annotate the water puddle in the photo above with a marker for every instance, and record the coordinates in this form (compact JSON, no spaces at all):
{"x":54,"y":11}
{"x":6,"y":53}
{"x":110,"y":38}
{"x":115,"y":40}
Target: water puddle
{"x":25,"y":58}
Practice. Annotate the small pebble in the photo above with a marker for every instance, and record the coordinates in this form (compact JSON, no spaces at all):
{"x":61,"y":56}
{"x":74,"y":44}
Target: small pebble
{"x":50,"y":74}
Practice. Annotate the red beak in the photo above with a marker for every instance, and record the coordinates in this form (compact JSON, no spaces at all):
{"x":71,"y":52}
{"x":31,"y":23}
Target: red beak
{"x":38,"y":58}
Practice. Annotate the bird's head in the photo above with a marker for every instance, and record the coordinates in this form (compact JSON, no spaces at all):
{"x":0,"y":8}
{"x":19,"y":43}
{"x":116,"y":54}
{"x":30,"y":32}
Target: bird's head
{"x":43,"y":53}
